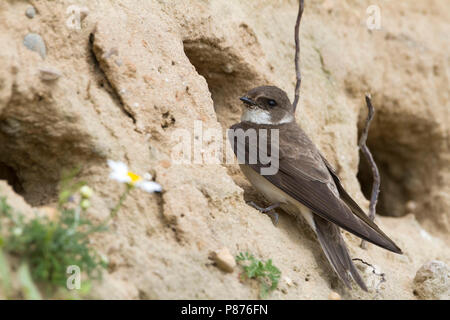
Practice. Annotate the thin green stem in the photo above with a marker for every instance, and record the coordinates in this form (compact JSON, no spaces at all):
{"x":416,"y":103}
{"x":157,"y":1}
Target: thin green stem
{"x":5,"y":275}
{"x":29,"y":289}
{"x":121,"y":200}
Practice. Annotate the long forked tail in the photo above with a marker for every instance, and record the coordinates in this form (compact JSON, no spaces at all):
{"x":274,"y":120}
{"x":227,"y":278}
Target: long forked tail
{"x":336,"y":251}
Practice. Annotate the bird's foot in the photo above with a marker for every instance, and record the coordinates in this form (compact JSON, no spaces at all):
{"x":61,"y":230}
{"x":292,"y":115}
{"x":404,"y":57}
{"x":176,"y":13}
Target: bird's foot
{"x":269,"y":211}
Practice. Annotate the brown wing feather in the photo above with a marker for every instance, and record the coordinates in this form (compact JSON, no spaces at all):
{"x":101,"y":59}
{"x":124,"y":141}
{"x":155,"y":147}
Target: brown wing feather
{"x":336,"y":251}
{"x":344,"y":195}
{"x":356,"y":209}
{"x":304,"y":176}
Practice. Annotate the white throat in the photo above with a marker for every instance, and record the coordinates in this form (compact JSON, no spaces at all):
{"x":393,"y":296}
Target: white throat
{"x":260,"y":116}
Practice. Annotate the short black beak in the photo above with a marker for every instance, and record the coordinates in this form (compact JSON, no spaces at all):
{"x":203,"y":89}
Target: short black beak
{"x":248,"y":101}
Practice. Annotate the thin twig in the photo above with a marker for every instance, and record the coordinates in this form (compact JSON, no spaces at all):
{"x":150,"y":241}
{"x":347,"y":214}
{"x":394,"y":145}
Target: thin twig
{"x":375,"y":173}
{"x":297,"y":54}
{"x":374,"y":271}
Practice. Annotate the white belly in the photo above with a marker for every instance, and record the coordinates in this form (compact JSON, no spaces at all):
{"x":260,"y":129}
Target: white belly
{"x":276,"y":195}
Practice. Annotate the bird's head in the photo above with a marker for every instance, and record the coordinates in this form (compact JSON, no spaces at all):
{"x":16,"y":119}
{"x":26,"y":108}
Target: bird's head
{"x":267,"y":105}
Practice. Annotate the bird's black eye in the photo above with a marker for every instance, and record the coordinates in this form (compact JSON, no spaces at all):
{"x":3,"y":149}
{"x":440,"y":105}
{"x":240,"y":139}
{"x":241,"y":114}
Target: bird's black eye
{"x":272,"y":103}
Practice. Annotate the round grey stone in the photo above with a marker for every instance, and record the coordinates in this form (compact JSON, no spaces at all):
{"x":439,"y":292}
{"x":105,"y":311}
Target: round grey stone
{"x":34,"y":42}
{"x":432,"y":281}
{"x":30,"y":12}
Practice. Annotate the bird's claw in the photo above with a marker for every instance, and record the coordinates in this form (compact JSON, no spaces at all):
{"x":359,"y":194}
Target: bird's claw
{"x":274,"y":216}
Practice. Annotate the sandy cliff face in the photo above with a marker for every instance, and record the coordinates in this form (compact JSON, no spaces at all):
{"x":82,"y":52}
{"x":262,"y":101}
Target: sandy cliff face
{"x":136,"y":72}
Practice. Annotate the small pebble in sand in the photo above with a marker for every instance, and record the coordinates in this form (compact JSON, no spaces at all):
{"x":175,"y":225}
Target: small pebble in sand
{"x":49,"y":74}
{"x":288,"y":281}
{"x":224,"y":259}
{"x":334,"y":296}
{"x":34,"y":42}
{"x":30,"y":12}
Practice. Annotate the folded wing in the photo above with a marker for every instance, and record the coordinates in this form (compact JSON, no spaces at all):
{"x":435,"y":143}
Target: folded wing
{"x":304,"y":176}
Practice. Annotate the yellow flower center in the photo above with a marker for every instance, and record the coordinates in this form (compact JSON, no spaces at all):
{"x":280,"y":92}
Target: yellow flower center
{"x":134,"y":177}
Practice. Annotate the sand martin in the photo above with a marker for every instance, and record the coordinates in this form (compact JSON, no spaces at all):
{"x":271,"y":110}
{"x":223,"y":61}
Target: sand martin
{"x":304,"y":183}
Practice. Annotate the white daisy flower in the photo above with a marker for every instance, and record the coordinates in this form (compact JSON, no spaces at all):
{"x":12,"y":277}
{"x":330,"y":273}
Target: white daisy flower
{"x":120,"y":173}
{"x":148,"y":186}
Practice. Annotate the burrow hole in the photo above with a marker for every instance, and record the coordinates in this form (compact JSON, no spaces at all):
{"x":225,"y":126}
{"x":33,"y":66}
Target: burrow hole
{"x":404,"y":150}
{"x":228,"y":78}
{"x":227,"y":75}
{"x":10,"y":175}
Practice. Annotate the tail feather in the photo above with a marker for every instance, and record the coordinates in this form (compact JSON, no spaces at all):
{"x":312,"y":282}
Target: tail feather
{"x":336,"y":251}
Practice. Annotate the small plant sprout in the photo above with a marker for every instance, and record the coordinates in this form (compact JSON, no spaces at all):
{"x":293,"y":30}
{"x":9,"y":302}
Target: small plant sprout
{"x":265,"y":272}
{"x":120,"y":173}
{"x":86,"y":192}
{"x":85,"y":204}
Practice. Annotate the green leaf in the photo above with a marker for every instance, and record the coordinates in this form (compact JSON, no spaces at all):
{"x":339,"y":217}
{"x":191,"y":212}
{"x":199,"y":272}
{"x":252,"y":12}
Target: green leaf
{"x":265,"y":272}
